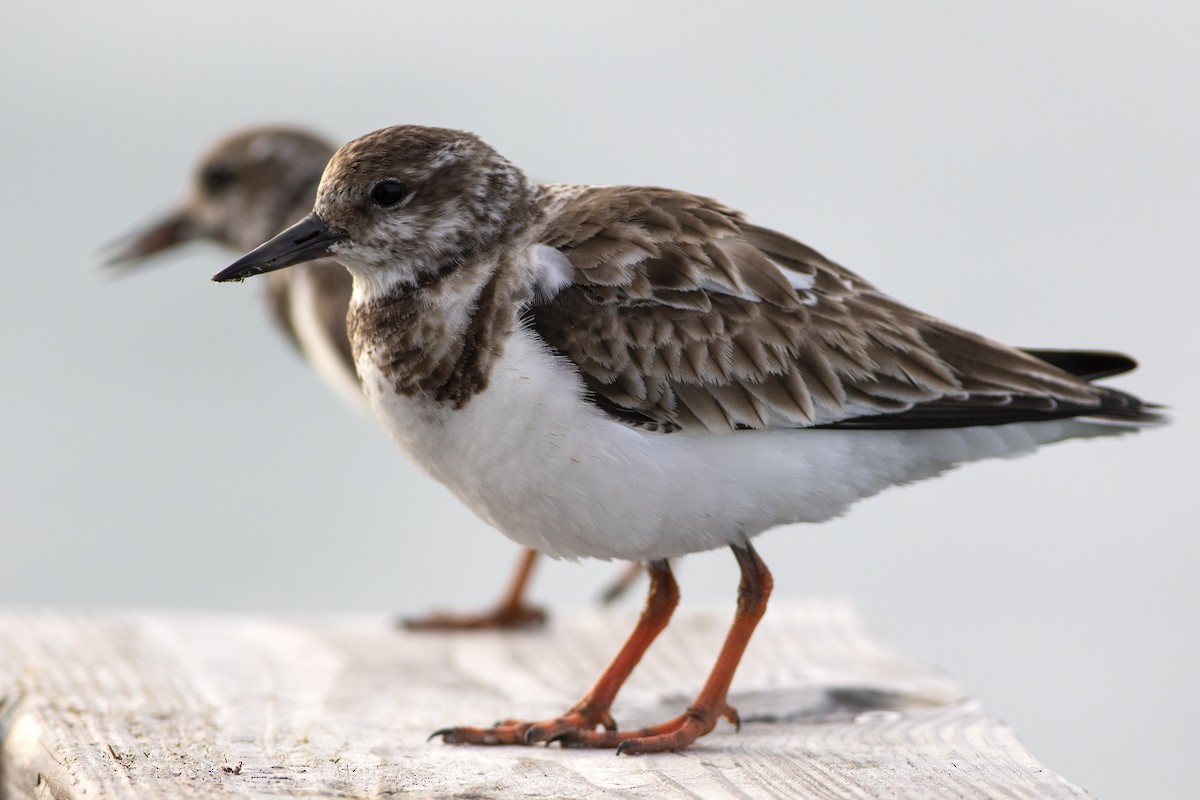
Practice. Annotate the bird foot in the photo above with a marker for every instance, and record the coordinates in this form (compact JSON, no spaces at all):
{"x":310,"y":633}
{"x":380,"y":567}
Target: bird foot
{"x":580,"y":729}
{"x":674,"y":734}
{"x":512,"y":731}
{"x":502,"y":618}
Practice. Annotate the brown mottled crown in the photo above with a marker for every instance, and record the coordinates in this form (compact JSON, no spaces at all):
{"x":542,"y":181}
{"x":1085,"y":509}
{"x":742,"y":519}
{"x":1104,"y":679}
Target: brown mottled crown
{"x":463,"y":199}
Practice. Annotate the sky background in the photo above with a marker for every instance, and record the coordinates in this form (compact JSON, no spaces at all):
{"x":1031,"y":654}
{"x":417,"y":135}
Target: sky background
{"x":1028,"y":171}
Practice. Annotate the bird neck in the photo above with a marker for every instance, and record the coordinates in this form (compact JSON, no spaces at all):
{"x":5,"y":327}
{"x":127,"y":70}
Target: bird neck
{"x":442,"y":337}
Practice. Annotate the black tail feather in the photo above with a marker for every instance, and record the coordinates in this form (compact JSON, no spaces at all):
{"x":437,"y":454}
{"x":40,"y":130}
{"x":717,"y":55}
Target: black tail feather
{"x":1090,"y":365}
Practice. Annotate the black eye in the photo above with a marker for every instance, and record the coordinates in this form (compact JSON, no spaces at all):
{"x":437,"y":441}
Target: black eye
{"x":388,"y":193}
{"x":216,"y":178}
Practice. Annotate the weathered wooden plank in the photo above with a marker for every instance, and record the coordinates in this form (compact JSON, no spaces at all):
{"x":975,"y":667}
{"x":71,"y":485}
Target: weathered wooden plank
{"x":179,"y":705}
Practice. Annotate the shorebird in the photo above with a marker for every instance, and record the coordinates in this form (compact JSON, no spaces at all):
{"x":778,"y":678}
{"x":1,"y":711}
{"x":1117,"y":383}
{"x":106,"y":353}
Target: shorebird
{"x":641,"y":373}
{"x":248,"y":186}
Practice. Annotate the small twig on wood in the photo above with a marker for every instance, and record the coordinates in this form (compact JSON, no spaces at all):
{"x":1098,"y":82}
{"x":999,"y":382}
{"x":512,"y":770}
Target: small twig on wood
{"x":120,"y":758}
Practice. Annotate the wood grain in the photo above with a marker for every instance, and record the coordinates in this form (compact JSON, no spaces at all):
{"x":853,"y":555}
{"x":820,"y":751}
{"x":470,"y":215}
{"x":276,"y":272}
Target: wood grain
{"x":150,"y":705}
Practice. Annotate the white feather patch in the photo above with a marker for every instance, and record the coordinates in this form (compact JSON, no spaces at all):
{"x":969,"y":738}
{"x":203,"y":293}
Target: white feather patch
{"x":799,"y":281}
{"x":552,"y":271}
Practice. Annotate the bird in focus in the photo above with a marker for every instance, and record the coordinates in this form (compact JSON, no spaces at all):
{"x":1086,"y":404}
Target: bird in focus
{"x":247,"y":187}
{"x":640,"y":373}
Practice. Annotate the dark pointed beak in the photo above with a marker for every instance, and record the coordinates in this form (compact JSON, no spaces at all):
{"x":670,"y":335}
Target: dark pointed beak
{"x":167,"y":232}
{"x":307,"y":240}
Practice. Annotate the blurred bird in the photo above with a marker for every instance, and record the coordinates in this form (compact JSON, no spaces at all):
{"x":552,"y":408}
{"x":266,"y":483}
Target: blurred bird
{"x":640,"y":373}
{"x":247,"y":187}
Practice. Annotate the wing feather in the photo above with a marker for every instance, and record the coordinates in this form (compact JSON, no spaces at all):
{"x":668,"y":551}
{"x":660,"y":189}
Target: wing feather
{"x":680,"y":315}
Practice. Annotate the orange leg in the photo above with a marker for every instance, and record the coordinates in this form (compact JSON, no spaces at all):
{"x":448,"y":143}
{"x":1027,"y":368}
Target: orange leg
{"x":512,"y":612}
{"x":701,"y":716}
{"x":592,"y":710}
{"x":579,"y":726}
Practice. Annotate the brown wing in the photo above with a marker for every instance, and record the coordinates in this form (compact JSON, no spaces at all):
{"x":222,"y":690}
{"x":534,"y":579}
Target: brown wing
{"x":682,"y":316}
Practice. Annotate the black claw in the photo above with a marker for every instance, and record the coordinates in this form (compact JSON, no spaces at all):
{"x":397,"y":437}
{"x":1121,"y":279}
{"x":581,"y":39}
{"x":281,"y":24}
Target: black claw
{"x":447,"y":734}
{"x":529,"y":735}
{"x":611,"y":726}
{"x":737,"y":721}
{"x":624,"y":746}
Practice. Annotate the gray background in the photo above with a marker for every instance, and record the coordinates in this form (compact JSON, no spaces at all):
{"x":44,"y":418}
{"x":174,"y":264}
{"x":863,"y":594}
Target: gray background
{"x":1028,"y":171}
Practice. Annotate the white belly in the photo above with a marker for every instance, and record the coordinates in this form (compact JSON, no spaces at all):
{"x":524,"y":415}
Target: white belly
{"x":554,"y":473}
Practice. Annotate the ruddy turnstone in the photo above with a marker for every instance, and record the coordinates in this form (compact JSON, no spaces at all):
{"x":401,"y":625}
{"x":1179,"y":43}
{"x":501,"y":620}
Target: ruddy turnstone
{"x":248,"y":186}
{"x":640,"y":373}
